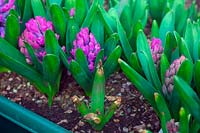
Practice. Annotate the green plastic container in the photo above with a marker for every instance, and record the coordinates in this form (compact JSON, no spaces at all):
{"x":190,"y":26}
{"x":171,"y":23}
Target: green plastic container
{"x":16,"y":119}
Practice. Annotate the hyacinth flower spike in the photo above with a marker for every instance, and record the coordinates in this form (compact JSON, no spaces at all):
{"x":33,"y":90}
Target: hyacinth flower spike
{"x":156,"y":51}
{"x":5,"y":8}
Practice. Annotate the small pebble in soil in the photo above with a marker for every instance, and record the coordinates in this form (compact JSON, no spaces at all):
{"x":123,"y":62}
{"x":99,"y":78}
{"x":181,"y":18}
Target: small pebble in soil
{"x":14,"y":91}
{"x":68,"y":111}
{"x":125,"y":129}
{"x":62,"y":121}
{"x":81,"y":123}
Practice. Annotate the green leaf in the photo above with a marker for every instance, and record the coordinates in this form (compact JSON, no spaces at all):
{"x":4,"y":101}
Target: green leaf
{"x":64,"y":58}
{"x":135,"y":64}
{"x":124,"y":41}
{"x":167,"y":25}
{"x":196,"y":75}
{"x":110,"y":44}
{"x":170,"y":46}
{"x":154,"y":30}
{"x":146,"y":60}
{"x":81,"y":10}
{"x":108,"y":21}
{"x":12,"y":30}
{"x":12,"y":59}
{"x":51,"y":43}
{"x":51,"y":68}
{"x":163,"y":123}
{"x":27,"y":13}
{"x":162,"y":106}
{"x":144,"y":86}
{"x":98,"y":92}
{"x":112,"y":61}
{"x":186,"y":71}
{"x":38,"y":9}
{"x":59,"y":21}
{"x":90,"y":15}
{"x":81,"y":77}
{"x":164,"y":65}
{"x":125,"y":19}
{"x":34,"y":59}
{"x":188,"y":97}
{"x":184,"y":121}
{"x":82,"y":60}
{"x":72,"y":30}
{"x":59,"y":2}
{"x":97,"y":29}
{"x":189,"y":39}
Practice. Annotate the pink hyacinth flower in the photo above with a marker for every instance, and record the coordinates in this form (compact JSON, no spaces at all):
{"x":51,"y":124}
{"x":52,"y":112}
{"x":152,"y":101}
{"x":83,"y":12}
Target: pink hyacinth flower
{"x":87,"y":42}
{"x":34,"y":35}
{"x":5,"y":8}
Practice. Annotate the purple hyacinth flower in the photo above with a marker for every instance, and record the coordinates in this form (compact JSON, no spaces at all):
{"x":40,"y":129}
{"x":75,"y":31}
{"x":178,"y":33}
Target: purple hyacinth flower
{"x":5,"y":8}
{"x":156,"y":51}
{"x":72,"y":12}
{"x":172,"y":126}
{"x":87,"y":42}
{"x":34,"y":35}
{"x":169,"y":75}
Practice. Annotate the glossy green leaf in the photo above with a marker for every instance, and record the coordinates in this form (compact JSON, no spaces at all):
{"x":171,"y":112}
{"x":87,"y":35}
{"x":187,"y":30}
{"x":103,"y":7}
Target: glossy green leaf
{"x":64,"y":58}
{"x":189,"y":37}
{"x":135,"y":64}
{"x":111,"y":62}
{"x":108,"y":21}
{"x":97,"y":29}
{"x":72,"y":30}
{"x":110,"y":44}
{"x":164,"y":65}
{"x":184,"y":121}
{"x":34,"y":59}
{"x":51,"y":68}
{"x":81,"y":77}
{"x":90,"y":15}
{"x":81,"y":10}
{"x":127,"y":50}
{"x":144,"y":86}
{"x":59,"y":2}
{"x":11,"y":58}
{"x":27,"y":13}
{"x":38,"y":9}
{"x":59,"y":21}
{"x":162,"y":106}
{"x":186,"y":71}
{"x":170,"y":46}
{"x":82,"y":60}
{"x":196,"y":75}
{"x":12,"y":30}
{"x":51,"y":43}
{"x":146,"y":60}
{"x":126,"y":19}
{"x":167,"y":25}
{"x":188,"y":97}
{"x":154,"y":29}
{"x":163,"y":122}
{"x":70,"y":4}
{"x":98,"y":91}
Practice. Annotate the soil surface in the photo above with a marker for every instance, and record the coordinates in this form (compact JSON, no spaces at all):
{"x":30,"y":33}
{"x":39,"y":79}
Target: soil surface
{"x":133,"y":114}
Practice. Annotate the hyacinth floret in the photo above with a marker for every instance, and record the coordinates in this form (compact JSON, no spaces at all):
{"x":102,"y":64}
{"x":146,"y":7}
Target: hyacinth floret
{"x":170,"y":73}
{"x":5,"y":8}
{"x":156,"y":51}
{"x":72,"y":12}
{"x":34,"y":35}
{"x":87,"y":42}
{"x":172,"y":126}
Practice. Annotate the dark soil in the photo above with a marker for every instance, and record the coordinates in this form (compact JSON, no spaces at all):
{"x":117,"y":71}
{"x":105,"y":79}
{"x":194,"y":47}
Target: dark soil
{"x":134,"y":114}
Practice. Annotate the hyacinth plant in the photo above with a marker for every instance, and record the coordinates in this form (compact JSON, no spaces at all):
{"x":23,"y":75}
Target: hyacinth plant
{"x":86,"y":46}
{"x":154,"y":75}
{"x":158,"y":10}
{"x":95,"y":113}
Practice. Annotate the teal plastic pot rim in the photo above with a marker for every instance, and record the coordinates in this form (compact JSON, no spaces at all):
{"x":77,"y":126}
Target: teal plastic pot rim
{"x":27,"y":119}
